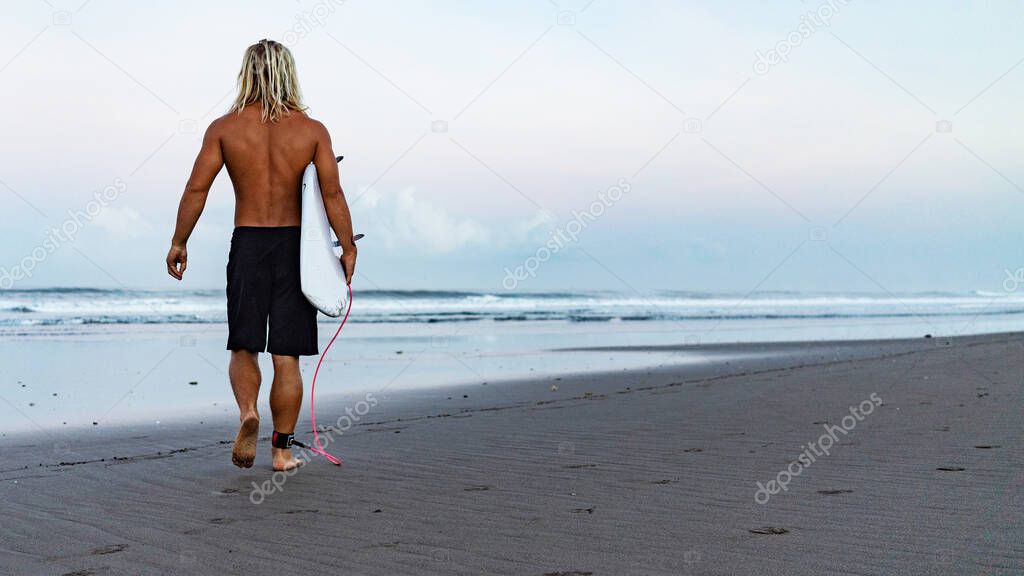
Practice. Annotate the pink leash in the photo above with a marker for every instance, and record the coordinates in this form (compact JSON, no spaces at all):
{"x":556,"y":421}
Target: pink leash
{"x":319,"y":449}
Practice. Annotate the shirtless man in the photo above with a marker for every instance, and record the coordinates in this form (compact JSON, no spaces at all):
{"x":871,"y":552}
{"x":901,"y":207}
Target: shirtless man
{"x":266,"y":141}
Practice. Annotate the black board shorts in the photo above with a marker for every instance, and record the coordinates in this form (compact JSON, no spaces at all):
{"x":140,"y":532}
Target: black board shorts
{"x":264,"y":288}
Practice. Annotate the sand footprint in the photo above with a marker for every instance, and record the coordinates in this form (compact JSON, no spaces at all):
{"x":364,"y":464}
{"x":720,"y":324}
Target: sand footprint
{"x":769,"y":530}
{"x":112,"y":549}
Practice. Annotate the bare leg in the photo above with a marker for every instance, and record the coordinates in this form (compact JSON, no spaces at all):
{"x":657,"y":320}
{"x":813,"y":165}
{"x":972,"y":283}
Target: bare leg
{"x":285,"y":403}
{"x":244,"y":372}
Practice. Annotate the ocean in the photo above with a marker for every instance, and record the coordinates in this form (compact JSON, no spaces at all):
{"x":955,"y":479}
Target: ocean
{"x":84,"y":307}
{"x":79,"y":356}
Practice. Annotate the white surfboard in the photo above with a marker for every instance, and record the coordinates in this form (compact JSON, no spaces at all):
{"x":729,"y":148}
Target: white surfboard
{"x":321,"y":272}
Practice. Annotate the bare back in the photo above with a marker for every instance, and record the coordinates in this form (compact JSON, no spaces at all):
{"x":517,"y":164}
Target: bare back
{"x":265,"y":161}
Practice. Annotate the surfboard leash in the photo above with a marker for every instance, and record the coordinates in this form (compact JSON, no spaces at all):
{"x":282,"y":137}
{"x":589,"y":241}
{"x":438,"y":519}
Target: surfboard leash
{"x":318,"y":447}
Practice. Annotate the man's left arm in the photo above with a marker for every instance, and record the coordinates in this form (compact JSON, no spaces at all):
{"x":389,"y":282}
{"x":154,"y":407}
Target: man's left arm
{"x":193,"y":199}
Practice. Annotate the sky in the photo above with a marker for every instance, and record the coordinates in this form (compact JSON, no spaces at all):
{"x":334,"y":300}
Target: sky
{"x":539,"y":145}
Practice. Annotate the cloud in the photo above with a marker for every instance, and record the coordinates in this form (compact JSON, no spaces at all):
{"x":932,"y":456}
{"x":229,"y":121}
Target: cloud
{"x":705,"y":250}
{"x":122,"y":222}
{"x":406,"y":220}
{"x":535,"y":228}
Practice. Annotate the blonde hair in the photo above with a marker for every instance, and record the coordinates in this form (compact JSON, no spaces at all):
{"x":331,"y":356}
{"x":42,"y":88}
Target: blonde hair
{"x":268,"y":78}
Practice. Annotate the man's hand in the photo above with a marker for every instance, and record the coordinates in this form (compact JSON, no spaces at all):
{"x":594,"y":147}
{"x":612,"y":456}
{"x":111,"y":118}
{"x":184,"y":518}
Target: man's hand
{"x":348,"y":262}
{"x":177,"y":258}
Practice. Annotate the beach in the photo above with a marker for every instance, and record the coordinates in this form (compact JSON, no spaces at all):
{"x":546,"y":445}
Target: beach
{"x":669,"y":288}
{"x":650,"y":469}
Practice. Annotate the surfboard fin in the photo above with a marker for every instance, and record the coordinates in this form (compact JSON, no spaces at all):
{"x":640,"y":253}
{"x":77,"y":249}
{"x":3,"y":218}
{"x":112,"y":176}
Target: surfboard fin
{"x":356,"y":238}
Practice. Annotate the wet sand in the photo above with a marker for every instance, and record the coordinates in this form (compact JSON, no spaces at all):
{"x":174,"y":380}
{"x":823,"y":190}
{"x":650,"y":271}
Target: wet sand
{"x":635,"y":472}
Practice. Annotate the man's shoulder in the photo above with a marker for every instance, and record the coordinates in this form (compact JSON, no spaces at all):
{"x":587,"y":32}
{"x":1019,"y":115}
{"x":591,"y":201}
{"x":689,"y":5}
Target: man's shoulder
{"x":218,"y":125}
{"x":295,"y":122}
{"x":314,"y":124}
{"x":302,"y":123}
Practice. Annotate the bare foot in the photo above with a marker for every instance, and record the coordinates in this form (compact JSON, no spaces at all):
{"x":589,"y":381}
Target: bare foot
{"x":284,"y":461}
{"x":245,"y":443}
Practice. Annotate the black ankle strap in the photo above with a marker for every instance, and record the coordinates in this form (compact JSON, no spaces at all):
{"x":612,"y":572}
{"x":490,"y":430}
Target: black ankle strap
{"x":282,"y":440}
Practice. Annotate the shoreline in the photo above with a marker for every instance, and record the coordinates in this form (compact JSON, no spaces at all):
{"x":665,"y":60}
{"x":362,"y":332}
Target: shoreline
{"x":702,"y":358}
{"x":650,"y":470}
{"x":168,"y":372}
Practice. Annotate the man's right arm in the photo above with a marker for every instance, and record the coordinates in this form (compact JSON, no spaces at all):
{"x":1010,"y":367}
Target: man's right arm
{"x":208,"y":164}
{"x":334,"y":199}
